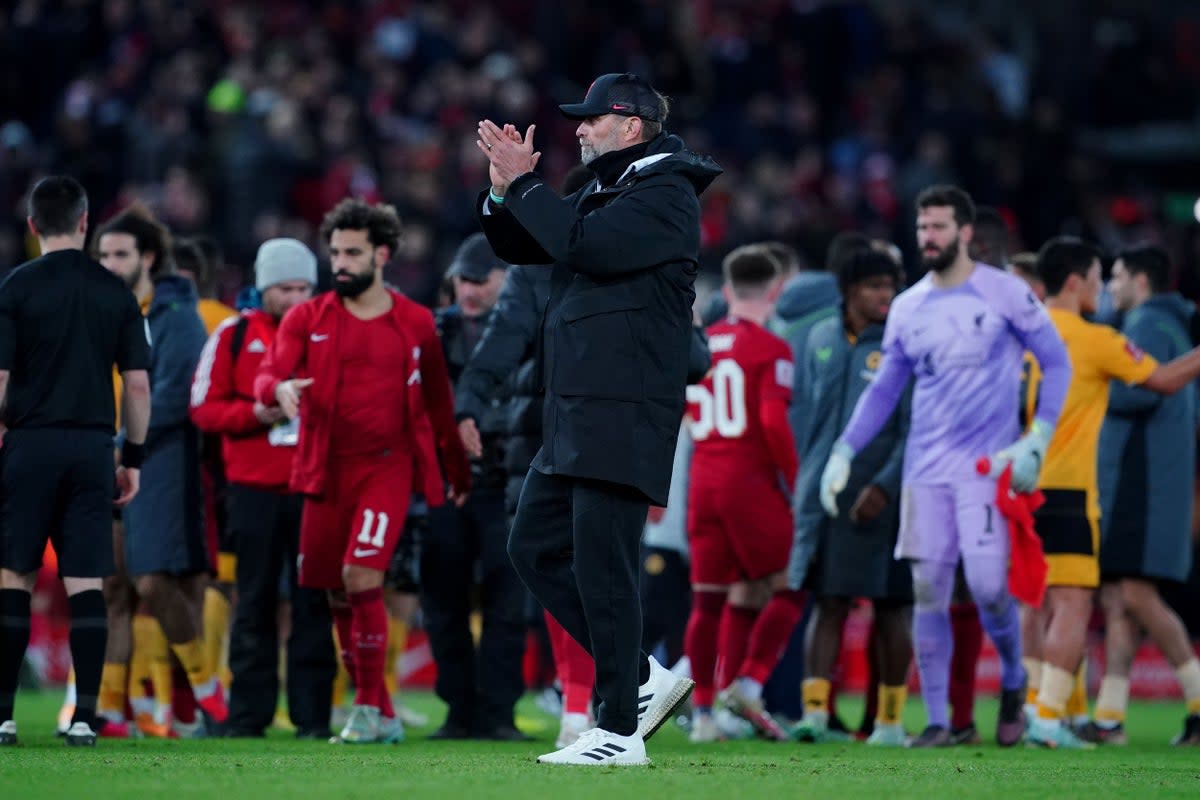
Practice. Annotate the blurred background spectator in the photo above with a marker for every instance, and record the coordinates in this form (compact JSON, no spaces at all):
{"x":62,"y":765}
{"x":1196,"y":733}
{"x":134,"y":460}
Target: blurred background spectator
{"x":247,"y":121}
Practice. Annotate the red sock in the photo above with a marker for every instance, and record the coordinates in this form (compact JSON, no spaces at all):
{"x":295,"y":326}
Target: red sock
{"x":183,"y":701}
{"x":343,"y":622}
{"x":736,"y":624}
{"x":576,"y":669}
{"x":700,"y":644}
{"x":968,"y":641}
{"x":771,"y":633}
{"x":370,"y":632}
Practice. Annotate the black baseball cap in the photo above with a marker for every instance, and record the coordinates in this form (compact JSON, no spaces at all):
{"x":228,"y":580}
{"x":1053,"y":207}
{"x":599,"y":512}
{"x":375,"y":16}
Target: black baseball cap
{"x":475,"y":259}
{"x":616,"y":93}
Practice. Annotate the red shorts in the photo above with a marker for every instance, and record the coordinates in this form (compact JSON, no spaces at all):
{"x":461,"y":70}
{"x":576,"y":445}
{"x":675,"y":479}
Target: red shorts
{"x":359,"y":519}
{"x":737,"y":531}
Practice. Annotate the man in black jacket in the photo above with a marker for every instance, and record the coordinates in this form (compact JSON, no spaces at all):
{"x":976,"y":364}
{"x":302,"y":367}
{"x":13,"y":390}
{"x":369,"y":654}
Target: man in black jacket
{"x":615,"y":341}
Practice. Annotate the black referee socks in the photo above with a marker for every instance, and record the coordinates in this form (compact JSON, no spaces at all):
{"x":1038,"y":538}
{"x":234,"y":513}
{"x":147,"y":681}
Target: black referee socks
{"x":14,"y":639}
{"x":89,"y":636}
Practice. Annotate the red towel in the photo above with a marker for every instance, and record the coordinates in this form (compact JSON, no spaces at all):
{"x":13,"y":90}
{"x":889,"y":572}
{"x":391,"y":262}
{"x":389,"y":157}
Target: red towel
{"x":1027,"y":566}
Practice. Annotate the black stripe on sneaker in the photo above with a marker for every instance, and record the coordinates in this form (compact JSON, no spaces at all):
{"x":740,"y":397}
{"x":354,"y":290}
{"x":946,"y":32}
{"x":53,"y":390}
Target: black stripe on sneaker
{"x":604,"y":749}
{"x":616,"y":747}
{"x":592,"y":755}
{"x":646,"y":698}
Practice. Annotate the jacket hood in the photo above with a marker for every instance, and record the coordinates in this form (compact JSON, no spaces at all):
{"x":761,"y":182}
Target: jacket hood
{"x":1173,"y":303}
{"x":171,"y":289}
{"x":806,"y":292}
{"x":666,"y":154}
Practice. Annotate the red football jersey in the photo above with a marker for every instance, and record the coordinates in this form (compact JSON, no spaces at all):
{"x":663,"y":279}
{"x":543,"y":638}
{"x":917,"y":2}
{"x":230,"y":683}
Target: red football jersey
{"x":751,"y":372}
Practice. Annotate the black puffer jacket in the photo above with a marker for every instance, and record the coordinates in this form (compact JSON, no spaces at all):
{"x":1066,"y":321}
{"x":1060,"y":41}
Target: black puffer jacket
{"x":617,"y":333}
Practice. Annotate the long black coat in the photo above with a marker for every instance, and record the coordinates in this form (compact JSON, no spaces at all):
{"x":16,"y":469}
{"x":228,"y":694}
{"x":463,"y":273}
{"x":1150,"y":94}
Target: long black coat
{"x":616,"y":334}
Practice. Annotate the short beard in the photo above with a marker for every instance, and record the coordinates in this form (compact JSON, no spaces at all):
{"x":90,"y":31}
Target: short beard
{"x":134,"y":278}
{"x":943,"y":260}
{"x":357,"y":284}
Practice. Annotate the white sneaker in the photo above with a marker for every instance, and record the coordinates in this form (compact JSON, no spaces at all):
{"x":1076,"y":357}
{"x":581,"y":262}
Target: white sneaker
{"x":361,"y":728}
{"x":597,"y":747}
{"x":704,"y":729}
{"x":8,"y":733}
{"x":731,"y":726}
{"x":571,"y":727}
{"x":659,"y":696}
{"x":888,"y":736}
{"x":410,"y":717}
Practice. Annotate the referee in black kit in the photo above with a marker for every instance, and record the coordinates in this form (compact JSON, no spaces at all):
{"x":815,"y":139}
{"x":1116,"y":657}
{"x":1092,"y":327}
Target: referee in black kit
{"x":64,"y":322}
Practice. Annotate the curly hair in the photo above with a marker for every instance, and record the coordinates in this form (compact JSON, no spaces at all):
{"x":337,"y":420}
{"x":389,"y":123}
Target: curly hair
{"x":149,"y":236}
{"x":380,"y":221}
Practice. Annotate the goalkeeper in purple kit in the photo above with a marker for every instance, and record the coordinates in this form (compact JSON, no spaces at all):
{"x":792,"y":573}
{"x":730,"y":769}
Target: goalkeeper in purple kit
{"x":961,"y":331}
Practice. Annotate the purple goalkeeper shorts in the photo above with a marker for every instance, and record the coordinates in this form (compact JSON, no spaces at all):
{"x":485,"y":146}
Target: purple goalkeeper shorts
{"x":942,"y":523}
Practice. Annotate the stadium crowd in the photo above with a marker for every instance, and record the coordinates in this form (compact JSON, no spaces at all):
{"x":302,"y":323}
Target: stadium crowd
{"x":248,"y":126}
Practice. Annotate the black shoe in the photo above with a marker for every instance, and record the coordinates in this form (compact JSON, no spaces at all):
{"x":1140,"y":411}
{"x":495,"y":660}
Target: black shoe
{"x":451,"y":731}
{"x":1099,"y":734}
{"x":966,"y":735}
{"x":80,"y":734}
{"x":317,"y":734}
{"x":1191,"y":732}
{"x":1010,"y":723}
{"x":933,"y":736}
{"x":503,"y":733}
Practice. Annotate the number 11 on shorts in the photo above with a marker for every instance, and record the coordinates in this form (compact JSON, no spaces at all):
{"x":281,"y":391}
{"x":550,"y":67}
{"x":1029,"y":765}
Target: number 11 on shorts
{"x":372,"y":520}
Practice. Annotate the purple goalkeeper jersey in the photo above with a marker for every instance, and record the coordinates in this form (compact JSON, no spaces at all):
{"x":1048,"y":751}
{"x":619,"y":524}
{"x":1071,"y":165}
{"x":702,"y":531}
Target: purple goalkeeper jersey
{"x":965,"y":347}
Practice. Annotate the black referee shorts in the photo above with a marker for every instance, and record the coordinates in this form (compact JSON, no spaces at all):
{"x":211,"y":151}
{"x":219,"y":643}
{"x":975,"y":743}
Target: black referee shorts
{"x":58,"y":486}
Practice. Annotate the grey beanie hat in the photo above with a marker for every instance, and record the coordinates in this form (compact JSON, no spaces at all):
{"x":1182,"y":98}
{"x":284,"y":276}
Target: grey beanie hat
{"x":281,"y":260}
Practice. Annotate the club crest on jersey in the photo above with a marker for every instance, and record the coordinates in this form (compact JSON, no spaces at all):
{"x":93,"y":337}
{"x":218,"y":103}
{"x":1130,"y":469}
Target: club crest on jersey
{"x":873,"y":359}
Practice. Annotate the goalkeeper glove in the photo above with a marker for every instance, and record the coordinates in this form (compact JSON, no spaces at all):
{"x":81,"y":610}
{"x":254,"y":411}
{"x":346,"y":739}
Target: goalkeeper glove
{"x":833,"y":479}
{"x":1026,"y":455}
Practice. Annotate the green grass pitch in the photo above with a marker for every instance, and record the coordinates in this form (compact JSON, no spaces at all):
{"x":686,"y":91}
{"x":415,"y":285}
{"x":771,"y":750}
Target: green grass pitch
{"x":280,"y":768}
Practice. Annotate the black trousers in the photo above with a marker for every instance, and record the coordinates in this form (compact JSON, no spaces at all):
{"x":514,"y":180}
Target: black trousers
{"x":265,"y":529}
{"x":575,"y":542}
{"x":464,"y":548}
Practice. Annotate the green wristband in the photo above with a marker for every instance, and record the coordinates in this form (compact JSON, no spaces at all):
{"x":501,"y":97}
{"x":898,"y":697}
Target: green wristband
{"x":495,"y":198}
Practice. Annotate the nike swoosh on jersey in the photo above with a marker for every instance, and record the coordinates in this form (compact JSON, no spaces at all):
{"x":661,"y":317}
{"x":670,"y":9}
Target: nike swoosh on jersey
{"x":363,"y":553}
{"x":319,"y":337}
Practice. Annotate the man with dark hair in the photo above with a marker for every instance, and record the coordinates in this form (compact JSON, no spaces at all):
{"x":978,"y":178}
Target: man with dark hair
{"x":846,"y":558}
{"x":616,"y":339}
{"x":1146,"y":504}
{"x":990,"y":241}
{"x":257,"y":448}
{"x":1024,"y":266}
{"x":739,"y":521}
{"x":1069,"y":522}
{"x":363,"y":370}
{"x":467,"y":546}
{"x":165,"y":560}
{"x":65,"y":323}
{"x":962,"y":332}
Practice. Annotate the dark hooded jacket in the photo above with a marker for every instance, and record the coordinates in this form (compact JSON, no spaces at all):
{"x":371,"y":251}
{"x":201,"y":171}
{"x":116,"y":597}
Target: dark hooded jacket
{"x":616,"y":334}
{"x":1147,"y":449}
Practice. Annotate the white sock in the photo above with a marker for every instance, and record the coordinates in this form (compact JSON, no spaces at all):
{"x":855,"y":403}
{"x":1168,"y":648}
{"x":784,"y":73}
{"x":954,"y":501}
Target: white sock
{"x":751,"y":688}
{"x":206,"y":689}
{"x":71,"y":698}
{"x":1189,"y":680}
